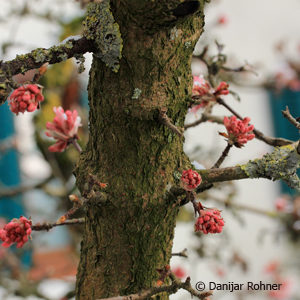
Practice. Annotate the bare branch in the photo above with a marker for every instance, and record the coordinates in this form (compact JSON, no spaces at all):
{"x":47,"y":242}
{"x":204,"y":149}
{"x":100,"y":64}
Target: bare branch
{"x":272,"y":214}
{"x":205,"y":118}
{"x":244,"y":68}
{"x":286,"y":113}
{"x":170,"y":289}
{"x":47,"y":226}
{"x":182,"y":253}
{"x":13,"y":191}
{"x":282,"y":163}
{"x":37,"y":58}
{"x":223,"y":156}
{"x":76,"y":145}
{"x":53,"y":55}
{"x":164,"y":119}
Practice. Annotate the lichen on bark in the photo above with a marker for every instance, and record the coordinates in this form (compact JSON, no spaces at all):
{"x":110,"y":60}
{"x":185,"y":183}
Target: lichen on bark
{"x":282,"y":164}
{"x":130,"y":235}
{"x":100,"y":26}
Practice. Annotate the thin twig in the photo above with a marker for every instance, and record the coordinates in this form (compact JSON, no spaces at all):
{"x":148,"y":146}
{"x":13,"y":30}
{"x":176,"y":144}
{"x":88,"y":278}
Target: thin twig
{"x":13,"y":191}
{"x":205,"y":118}
{"x":272,"y":214}
{"x":47,"y":226}
{"x":182,"y":253}
{"x":223,"y":156}
{"x":286,"y":113}
{"x":76,"y":145}
{"x":164,"y":119}
{"x":169,"y":289}
{"x":77,"y":204}
{"x":239,"y":69}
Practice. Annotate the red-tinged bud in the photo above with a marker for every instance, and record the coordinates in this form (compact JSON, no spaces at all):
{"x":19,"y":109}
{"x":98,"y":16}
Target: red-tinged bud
{"x":222,"y":89}
{"x":25,"y":98}
{"x":190,"y":179}
{"x":63,"y":128}
{"x":179,"y":272}
{"x":239,"y":131}
{"x":222,"y":20}
{"x":16,"y":231}
{"x":209,"y":221}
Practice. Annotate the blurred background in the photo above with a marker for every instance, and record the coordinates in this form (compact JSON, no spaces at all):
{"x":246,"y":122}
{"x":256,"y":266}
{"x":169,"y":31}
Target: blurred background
{"x":260,"y":241}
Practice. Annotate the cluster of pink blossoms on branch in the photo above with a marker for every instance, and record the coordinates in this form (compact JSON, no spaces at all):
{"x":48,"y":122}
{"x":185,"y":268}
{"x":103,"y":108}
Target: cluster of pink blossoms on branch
{"x":202,"y":88}
{"x":63,"y":128}
{"x":25,"y":98}
{"x":222,"y":89}
{"x":239,"y":131}
{"x":190,"y":179}
{"x":16,"y":231}
{"x":209,"y":221}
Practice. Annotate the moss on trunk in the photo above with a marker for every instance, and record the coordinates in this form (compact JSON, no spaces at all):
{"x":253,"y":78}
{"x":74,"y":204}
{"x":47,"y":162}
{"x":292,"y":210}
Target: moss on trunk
{"x":129,"y":235}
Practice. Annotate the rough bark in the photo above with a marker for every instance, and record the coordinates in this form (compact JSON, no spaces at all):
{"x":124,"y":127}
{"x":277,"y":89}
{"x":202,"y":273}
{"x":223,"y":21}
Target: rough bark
{"x":129,"y":230}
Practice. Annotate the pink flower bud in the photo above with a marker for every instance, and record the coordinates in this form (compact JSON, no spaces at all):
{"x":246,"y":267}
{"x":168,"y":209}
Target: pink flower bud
{"x":222,"y":89}
{"x":190,"y":179}
{"x":25,"y":98}
{"x":179,"y":272}
{"x":63,"y":128}
{"x":281,"y":203}
{"x":239,"y":132}
{"x":200,"y":87}
{"x":209,"y":221}
{"x":222,"y":20}
{"x":16,"y":231}
{"x":284,"y":292}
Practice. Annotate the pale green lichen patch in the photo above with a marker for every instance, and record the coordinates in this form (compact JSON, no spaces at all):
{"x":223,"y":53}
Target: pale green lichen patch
{"x":177,"y":176}
{"x":174,"y":33}
{"x":187,"y":44}
{"x":5,"y":88}
{"x":101,"y":27}
{"x":63,"y":56}
{"x":40,"y":55}
{"x":282,"y":163}
{"x":80,"y":59}
{"x":136,"y":94}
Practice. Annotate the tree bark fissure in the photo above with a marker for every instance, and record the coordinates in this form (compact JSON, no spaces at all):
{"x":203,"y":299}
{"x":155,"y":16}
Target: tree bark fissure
{"x":130,"y":235}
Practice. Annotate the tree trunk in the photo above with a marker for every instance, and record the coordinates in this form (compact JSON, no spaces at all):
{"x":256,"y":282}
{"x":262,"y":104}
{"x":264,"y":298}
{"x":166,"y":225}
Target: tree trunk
{"x":130,"y":224}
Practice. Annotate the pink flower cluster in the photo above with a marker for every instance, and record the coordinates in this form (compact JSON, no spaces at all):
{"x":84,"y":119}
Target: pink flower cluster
{"x":63,"y":128}
{"x":190,"y":179}
{"x":222,"y":20}
{"x":179,"y":272}
{"x":209,"y":221}
{"x":273,"y":268}
{"x":222,"y":89}
{"x":201,"y":87}
{"x":25,"y":98}
{"x":281,"y":203}
{"x":16,"y":231}
{"x":239,"y":132}
{"x":284,"y":292}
